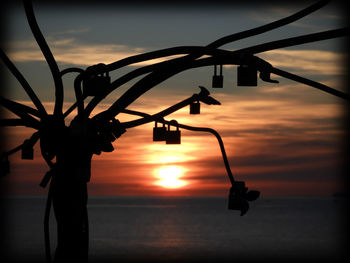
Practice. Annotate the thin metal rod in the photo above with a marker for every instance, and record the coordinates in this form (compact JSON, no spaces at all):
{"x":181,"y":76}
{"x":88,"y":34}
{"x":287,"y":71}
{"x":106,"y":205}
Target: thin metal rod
{"x":203,"y":96}
{"x":311,"y":83}
{"x":71,"y":70}
{"x":161,"y":65}
{"x":14,"y":122}
{"x":162,"y":74}
{"x":48,"y":56}
{"x":71,"y":108}
{"x":79,"y":95}
{"x":21,"y":107}
{"x":221,"y":143}
{"x":21,"y":111}
{"x":18,"y":107}
{"x":28,"y":89}
{"x":14,"y":150}
{"x":34,"y":138}
{"x":268,"y":27}
{"x":158,"y":117}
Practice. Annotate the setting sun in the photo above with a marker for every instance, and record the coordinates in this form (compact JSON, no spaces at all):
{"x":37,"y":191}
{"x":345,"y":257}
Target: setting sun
{"x":170,"y":177}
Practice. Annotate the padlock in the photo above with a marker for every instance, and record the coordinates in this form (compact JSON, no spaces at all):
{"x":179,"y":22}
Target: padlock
{"x":195,"y":107}
{"x":159,"y":133}
{"x":247,"y":75}
{"x":4,"y":166}
{"x":173,"y":137}
{"x":95,"y":84}
{"x":218,"y":80}
{"x":27,"y":151}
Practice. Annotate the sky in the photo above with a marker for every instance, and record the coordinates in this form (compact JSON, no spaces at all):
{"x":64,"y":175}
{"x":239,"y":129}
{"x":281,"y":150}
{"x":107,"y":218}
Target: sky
{"x":283,"y":139}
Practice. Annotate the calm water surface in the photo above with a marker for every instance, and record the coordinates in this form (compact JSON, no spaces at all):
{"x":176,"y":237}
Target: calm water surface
{"x":133,"y":229}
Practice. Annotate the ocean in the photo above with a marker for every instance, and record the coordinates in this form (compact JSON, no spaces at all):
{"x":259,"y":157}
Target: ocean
{"x":179,"y":229}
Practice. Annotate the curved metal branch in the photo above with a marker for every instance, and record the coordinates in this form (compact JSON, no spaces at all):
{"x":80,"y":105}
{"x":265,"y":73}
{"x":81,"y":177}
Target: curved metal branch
{"x":24,"y":83}
{"x":71,"y":108}
{"x":157,"y":66}
{"x":268,"y":27}
{"x":149,"y":81}
{"x":171,"y":69}
{"x":14,"y":122}
{"x":79,"y":95}
{"x":152,"y":55}
{"x":115,"y":84}
{"x":158,"y":117}
{"x":71,"y":70}
{"x":137,"y":90}
{"x":202,"y":96}
{"x":48,"y":56}
{"x":19,"y":107}
{"x":21,"y":111}
{"x":120,"y":81}
{"x":221,"y":143}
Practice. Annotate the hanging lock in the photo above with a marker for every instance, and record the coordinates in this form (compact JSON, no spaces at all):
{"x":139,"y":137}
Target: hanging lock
{"x":173,"y":137}
{"x":95,"y":84}
{"x":27,"y":151}
{"x":247,"y":76}
{"x":218,"y":80}
{"x":195,"y":107}
{"x":159,"y":133}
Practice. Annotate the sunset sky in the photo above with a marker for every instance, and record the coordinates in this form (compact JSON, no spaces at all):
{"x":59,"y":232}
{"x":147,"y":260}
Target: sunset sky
{"x":281,"y":139}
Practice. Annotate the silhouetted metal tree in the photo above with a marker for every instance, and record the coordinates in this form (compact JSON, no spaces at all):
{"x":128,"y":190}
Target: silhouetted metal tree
{"x":73,"y":145}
